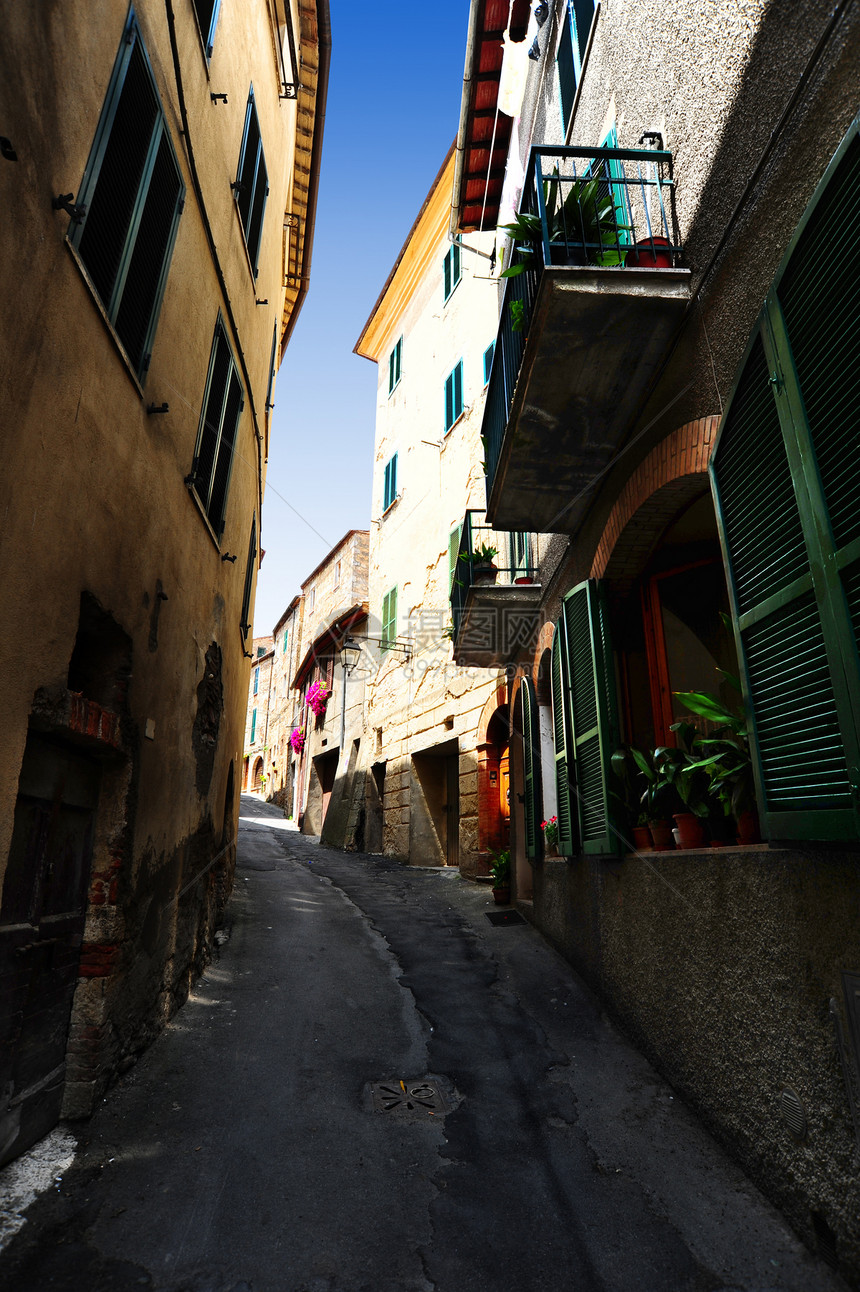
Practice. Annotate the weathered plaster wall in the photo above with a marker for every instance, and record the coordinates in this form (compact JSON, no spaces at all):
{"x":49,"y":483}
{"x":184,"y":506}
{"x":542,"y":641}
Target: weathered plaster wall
{"x":721,"y":965}
{"x":93,"y":497}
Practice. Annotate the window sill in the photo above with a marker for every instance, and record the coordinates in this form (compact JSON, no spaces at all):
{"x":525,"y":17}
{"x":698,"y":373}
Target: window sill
{"x":456,"y":421}
{"x":109,"y":327}
{"x":390,"y":508}
{"x":452,"y":291}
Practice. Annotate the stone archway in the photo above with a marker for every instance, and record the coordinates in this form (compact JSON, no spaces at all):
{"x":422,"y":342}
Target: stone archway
{"x":257,"y":783}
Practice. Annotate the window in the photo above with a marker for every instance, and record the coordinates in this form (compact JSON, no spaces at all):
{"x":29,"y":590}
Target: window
{"x":223,"y":402}
{"x":312,"y":596}
{"x":786,"y":478}
{"x":519,"y":554}
{"x":451,"y":269}
{"x":256,"y":680}
{"x":133,"y":194}
{"x":454,"y":396}
{"x":394,"y":362}
{"x":252,"y":183}
{"x":245,"y":620}
{"x":389,"y":496}
{"x":389,"y":619}
{"x":585,"y":725}
{"x":207,"y":17}
{"x":253,"y":725}
{"x":576,"y":29}
{"x":261,"y":650}
{"x":286,"y":640}
{"x":488,"y":361}
{"x":337,"y":574}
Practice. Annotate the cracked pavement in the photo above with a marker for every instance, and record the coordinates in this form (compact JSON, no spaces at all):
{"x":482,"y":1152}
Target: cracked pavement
{"x":242,"y":1153}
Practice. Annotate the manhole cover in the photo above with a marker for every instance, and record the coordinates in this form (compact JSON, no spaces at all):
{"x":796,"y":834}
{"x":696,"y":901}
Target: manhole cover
{"x":504,"y":917}
{"x":410,"y":1098}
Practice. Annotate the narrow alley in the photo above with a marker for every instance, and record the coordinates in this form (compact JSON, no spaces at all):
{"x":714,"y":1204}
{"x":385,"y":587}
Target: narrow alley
{"x":244,"y":1151}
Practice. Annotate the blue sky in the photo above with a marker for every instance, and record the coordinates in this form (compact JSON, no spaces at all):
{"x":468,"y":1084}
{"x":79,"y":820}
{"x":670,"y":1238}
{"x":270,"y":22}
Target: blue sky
{"x":393,"y":107}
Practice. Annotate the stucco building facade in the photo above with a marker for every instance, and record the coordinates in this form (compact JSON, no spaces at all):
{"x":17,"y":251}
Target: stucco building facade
{"x":674,"y":413}
{"x":159,"y":178}
{"x":435,"y":748}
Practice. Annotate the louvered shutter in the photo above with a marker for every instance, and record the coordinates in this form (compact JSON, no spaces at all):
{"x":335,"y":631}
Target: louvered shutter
{"x":592,"y":727}
{"x":560,"y":721}
{"x":245,"y":618}
{"x":453,"y":555}
{"x":446,"y":273}
{"x":224,"y":463}
{"x":532,"y":798}
{"x":785,"y":476}
{"x":132,"y":191}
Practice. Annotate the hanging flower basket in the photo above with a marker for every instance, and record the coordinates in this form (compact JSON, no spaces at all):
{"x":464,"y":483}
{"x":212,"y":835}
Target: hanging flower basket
{"x":317,"y":698}
{"x":297,"y":740}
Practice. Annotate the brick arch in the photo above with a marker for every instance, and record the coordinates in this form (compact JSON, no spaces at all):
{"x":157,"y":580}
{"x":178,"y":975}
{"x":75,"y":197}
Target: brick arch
{"x":671,"y":475}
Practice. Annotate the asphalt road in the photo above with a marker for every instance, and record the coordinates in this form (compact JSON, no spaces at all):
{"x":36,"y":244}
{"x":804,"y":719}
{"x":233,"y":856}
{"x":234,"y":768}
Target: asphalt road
{"x":244,"y":1152}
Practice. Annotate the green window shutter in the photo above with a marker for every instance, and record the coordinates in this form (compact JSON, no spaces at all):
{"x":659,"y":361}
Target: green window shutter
{"x":453,"y":396}
{"x":488,"y":361}
{"x":133,"y":194}
{"x":245,"y":619}
{"x":560,"y":720}
{"x":394,"y":365}
{"x":532,"y":797}
{"x":453,"y":554}
{"x":785,"y":476}
{"x":390,"y":486}
{"x":252,"y":183}
{"x":458,"y":390}
{"x":389,"y":619}
{"x":592,"y":730}
{"x":216,"y":439}
{"x":253,"y":725}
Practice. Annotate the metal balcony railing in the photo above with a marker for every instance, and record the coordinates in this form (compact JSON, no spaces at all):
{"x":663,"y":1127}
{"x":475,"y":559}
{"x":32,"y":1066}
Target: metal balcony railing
{"x":605,"y":208}
{"x":513,"y":560}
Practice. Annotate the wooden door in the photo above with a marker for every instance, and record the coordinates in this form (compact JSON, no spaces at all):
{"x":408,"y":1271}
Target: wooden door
{"x":41,"y":929}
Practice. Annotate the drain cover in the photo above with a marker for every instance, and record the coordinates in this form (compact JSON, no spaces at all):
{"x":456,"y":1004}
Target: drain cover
{"x":793,"y":1112}
{"x":408,"y":1098}
{"x":504,"y":917}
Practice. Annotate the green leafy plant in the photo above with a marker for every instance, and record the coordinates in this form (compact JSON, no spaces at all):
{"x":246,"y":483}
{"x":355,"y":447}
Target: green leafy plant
{"x":723,"y":754}
{"x":660,"y":797}
{"x":483,"y":554}
{"x":584,"y":217}
{"x":500,"y":868}
{"x":629,"y":787}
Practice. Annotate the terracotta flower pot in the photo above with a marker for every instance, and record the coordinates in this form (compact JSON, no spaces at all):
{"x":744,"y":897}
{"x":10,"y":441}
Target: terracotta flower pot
{"x":748,"y":827}
{"x":690,"y":829}
{"x":661,"y":835}
{"x":650,"y":253}
{"x":642,"y":838}
{"x":502,"y":894}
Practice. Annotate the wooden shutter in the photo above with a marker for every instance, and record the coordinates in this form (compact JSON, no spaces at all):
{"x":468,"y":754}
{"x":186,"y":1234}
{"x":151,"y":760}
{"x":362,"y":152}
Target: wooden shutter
{"x":560,"y":721}
{"x":245,"y":619}
{"x":785,"y":475}
{"x":253,"y":725}
{"x":458,"y":390}
{"x":224,"y":462}
{"x":133,"y":194}
{"x":592,"y":730}
{"x":446,"y":274}
{"x":449,"y":402}
{"x":453,"y":555}
{"x":533,"y":797}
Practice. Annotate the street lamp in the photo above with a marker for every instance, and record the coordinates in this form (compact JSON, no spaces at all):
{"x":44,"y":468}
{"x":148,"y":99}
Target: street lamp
{"x":350,"y":653}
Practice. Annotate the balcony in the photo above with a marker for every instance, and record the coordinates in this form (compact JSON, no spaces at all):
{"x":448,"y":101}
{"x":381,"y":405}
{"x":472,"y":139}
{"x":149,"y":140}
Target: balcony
{"x":495,"y":606}
{"x":589,"y":313}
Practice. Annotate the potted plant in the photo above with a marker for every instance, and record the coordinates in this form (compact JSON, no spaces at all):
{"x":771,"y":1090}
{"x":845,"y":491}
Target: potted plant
{"x":550,"y":836}
{"x":660,"y":797}
{"x":483,"y":569}
{"x":297,"y":740}
{"x":627,"y":794}
{"x":724,"y":756}
{"x":583,"y":228}
{"x":317,"y":698}
{"x":501,"y":872}
{"x":681,"y":767}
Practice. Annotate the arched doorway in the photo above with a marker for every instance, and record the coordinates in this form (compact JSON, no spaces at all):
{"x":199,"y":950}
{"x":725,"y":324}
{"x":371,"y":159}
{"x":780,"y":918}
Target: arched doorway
{"x":258,"y":776}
